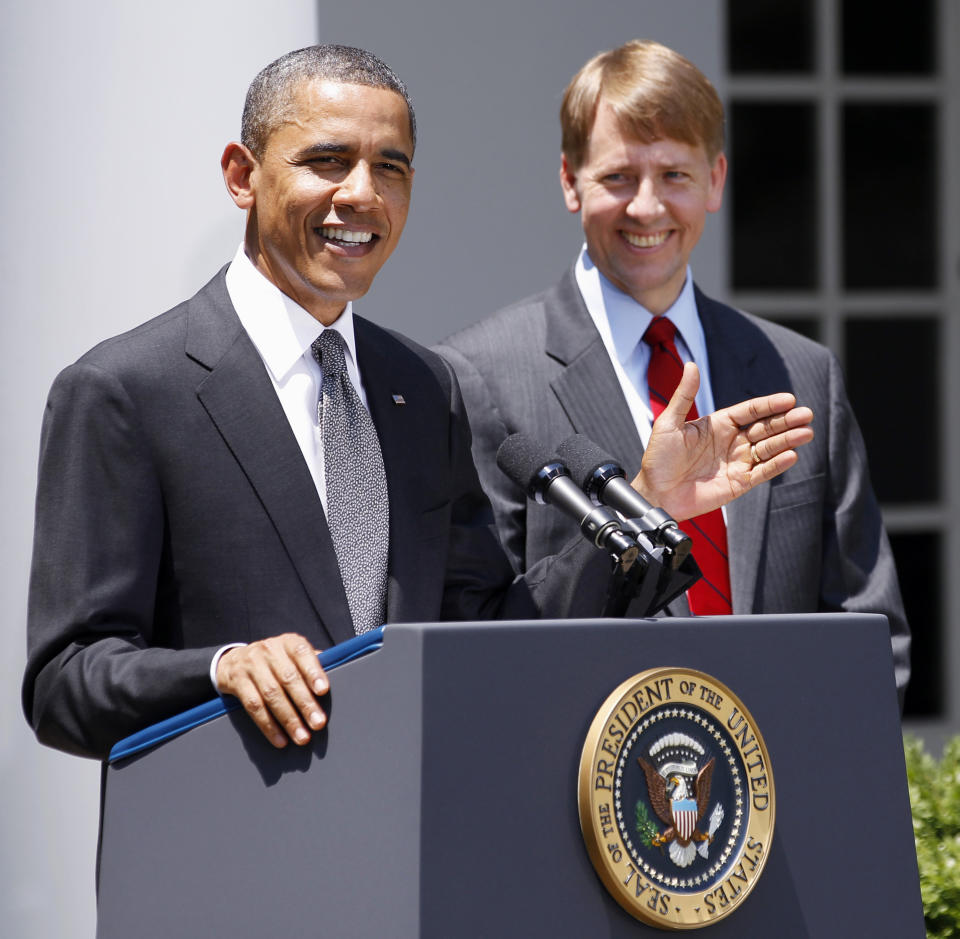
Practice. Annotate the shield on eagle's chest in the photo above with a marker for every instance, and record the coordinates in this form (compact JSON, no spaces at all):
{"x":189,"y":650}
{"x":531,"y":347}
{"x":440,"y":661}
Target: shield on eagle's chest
{"x":684,"y":812}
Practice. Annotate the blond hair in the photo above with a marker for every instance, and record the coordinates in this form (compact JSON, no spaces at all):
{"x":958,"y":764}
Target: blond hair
{"x":654,"y":93}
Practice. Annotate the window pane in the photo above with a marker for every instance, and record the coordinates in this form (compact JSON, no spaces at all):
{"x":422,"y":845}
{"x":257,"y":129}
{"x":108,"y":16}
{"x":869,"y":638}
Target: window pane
{"x":761,"y":40}
{"x":808,"y":326}
{"x":894,"y":386}
{"x":876,"y":42}
{"x":889,"y":201}
{"x":773,"y":187}
{"x":918,"y":557}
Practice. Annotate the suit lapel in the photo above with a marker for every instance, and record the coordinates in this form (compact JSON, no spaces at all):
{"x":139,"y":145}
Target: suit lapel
{"x":399,"y":427}
{"x":588,"y":389}
{"x":734,"y":362}
{"x":241,"y":401}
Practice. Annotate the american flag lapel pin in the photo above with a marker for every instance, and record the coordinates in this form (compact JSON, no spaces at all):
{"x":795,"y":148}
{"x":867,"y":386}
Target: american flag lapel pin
{"x":398,"y":400}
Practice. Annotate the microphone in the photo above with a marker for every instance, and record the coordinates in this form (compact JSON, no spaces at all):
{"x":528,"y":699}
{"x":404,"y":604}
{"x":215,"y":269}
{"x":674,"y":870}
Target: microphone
{"x":545,"y":479}
{"x":604,"y":481}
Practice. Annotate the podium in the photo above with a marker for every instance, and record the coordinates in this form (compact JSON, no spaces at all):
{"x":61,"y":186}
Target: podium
{"x":441,"y":799}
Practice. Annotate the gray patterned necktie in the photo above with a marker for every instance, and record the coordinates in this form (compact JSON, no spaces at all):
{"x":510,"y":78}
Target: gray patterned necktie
{"x":358,"y":511}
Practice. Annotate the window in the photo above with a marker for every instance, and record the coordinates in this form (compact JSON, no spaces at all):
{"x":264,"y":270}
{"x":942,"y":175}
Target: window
{"x":841,"y":227}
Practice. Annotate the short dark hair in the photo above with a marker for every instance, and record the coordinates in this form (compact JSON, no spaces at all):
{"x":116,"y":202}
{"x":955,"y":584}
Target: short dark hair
{"x":270,"y":94}
{"x":654,"y":92}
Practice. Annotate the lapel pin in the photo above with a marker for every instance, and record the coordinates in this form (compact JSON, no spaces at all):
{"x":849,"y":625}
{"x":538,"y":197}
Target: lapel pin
{"x":398,"y":399}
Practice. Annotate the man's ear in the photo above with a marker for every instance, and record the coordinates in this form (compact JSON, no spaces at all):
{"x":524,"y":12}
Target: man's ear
{"x":238,"y":165}
{"x":568,"y":181}
{"x":718,"y":176}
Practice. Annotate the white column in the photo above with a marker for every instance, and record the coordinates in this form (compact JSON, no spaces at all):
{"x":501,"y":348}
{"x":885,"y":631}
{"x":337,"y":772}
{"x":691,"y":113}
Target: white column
{"x":114,"y":117}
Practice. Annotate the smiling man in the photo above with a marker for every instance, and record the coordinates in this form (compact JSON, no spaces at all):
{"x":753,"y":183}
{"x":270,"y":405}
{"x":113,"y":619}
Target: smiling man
{"x":238,"y":482}
{"x":598,"y":354}
{"x":328,"y":191}
{"x":257,"y":473}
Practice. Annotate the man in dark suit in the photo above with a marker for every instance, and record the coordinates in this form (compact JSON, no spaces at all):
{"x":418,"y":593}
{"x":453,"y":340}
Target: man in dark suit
{"x":191,"y":533}
{"x":643,"y":164}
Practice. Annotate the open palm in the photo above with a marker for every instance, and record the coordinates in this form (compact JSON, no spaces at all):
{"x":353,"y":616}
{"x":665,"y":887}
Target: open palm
{"x":693,"y":467}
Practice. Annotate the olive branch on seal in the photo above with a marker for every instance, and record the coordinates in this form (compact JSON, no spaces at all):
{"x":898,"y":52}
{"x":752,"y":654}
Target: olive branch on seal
{"x":646,"y":828}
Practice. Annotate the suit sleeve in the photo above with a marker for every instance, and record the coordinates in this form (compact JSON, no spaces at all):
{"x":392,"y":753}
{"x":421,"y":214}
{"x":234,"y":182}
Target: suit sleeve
{"x":95,"y":671}
{"x":858,"y":572}
{"x":571,"y":583}
{"x":488,"y":430}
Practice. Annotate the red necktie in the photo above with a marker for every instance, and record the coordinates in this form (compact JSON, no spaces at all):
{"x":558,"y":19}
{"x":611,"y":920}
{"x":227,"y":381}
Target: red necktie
{"x":710,"y":594}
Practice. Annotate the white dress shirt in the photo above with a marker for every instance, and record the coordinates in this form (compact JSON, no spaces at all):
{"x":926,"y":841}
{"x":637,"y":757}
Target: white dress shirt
{"x":621,"y":322}
{"x":283,"y":332}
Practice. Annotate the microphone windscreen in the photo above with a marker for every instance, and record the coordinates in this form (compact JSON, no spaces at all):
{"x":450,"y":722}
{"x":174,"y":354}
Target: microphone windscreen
{"x":582,"y":457}
{"x":522,"y":457}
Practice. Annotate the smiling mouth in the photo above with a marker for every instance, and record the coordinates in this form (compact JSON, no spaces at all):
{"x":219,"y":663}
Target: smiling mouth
{"x":345,"y":237}
{"x":645,"y":241}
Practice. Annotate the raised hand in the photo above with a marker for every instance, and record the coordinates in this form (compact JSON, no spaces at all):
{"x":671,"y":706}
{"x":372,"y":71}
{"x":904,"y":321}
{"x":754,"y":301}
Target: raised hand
{"x":693,"y":467}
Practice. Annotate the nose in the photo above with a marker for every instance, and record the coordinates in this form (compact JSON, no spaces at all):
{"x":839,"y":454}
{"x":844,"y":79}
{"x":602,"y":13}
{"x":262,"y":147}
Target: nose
{"x":357,"y":189}
{"x":645,"y":204}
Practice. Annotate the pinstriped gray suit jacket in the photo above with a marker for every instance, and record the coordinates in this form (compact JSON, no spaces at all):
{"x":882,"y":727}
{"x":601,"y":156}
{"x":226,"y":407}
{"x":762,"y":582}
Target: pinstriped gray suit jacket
{"x":810,"y":541}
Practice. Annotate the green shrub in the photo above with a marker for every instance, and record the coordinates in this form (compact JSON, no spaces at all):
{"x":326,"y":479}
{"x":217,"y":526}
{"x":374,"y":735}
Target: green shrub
{"x":935,"y":801}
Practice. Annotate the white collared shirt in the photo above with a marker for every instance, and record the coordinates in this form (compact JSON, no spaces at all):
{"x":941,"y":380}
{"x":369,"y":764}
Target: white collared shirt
{"x":621,"y":322}
{"x":283,"y":332}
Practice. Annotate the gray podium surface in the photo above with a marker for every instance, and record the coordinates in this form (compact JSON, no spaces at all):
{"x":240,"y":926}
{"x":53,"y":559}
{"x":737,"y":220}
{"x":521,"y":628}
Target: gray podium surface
{"x":442,"y":800}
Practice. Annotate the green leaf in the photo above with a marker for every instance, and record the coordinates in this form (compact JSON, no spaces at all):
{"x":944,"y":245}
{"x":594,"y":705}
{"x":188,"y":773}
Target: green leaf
{"x":935,"y":802}
{"x":646,"y":828}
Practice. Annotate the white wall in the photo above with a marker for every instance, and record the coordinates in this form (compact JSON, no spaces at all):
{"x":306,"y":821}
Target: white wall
{"x":114,"y":117}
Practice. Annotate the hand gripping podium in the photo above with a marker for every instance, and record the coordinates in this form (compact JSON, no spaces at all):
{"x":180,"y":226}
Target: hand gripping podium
{"x":441,"y":800}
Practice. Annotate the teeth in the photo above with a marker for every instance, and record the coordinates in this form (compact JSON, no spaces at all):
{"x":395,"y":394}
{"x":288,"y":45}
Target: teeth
{"x":342,"y":234}
{"x":646,"y":241}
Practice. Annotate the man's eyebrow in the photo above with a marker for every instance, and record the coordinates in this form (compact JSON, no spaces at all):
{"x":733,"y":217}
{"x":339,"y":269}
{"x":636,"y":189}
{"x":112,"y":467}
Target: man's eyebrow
{"x":397,"y":155}
{"x":321,"y":149}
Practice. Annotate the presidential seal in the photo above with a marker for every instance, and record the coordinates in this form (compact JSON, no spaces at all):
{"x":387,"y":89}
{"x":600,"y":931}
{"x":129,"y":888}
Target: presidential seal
{"x":676,"y":798}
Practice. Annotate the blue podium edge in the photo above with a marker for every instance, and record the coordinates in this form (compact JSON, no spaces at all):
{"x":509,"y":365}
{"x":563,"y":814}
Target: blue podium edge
{"x":150,"y":736}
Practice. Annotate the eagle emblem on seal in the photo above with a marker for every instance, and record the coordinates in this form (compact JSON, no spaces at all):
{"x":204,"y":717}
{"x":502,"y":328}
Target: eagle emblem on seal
{"x":678,"y":785}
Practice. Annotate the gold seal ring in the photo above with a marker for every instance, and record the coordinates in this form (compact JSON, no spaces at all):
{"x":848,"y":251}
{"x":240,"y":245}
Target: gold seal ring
{"x":676,"y":798}
{"x":754,"y":454}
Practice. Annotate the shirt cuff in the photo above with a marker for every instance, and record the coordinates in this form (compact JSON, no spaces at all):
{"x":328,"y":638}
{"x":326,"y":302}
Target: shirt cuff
{"x":216,"y":661}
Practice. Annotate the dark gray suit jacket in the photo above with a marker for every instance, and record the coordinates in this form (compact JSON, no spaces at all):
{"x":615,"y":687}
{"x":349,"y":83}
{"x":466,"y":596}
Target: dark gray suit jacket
{"x":811,"y":541}
{"x":175,"y":514}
